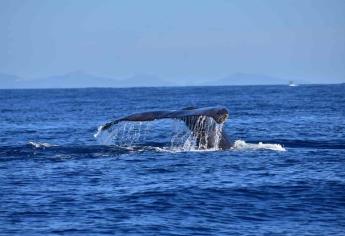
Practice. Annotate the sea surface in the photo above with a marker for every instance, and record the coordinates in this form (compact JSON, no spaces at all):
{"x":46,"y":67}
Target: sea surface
{"x":285,"y":174}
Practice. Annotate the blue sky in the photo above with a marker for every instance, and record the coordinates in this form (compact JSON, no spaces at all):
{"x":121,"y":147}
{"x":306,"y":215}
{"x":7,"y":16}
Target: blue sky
{"x":179,"y":39}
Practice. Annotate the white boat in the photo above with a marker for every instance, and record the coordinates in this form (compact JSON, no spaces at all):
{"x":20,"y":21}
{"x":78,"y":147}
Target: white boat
{"x":292,"y":84}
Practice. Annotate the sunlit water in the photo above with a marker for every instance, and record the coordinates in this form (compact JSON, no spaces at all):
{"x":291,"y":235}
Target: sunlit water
{"x":284,"y":174}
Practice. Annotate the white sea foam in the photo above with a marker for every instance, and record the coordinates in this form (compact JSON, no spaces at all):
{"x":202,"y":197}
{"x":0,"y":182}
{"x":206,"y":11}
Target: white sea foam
{"x":242,"y":145}
{"x":41,"y":145}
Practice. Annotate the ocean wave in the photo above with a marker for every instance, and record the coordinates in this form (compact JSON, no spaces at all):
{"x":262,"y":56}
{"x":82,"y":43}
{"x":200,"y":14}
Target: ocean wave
{"x":243,"y":145}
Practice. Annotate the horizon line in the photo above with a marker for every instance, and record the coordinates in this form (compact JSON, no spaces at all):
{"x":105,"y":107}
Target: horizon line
{"x":176,"y":86}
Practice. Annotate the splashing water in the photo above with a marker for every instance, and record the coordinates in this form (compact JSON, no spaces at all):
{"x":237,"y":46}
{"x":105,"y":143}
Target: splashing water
{"x":203,"y":134}
{"x":125,"y":134}
{"x":242,"y":145}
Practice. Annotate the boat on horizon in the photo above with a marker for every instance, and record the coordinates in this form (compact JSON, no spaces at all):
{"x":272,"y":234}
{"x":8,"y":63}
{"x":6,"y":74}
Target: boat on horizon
{"x":292,"y":84}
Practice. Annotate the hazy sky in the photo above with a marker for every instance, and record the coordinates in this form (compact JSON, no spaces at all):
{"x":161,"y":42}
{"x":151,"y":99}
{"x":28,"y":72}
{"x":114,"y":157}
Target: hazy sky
{"x":186,"y":39}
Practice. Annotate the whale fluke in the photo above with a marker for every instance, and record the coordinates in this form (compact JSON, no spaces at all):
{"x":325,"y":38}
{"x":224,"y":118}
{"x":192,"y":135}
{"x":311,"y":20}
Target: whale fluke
{"x":198,"y":120}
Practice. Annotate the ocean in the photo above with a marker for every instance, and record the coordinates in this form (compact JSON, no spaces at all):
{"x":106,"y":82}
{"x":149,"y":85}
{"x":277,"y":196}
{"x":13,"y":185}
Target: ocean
{"x":285,"y":174}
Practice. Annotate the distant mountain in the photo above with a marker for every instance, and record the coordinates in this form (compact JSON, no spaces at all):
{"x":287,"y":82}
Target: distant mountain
{"x":144,"y":80}
{"x":8,"y":81}
{"x":76,"y":79}
{"x":247,"y":79}
{"x":80,"y":79}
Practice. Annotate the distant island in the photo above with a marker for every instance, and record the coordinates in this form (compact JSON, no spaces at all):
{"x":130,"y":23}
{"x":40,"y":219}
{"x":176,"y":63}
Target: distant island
{"x":80,"y":79}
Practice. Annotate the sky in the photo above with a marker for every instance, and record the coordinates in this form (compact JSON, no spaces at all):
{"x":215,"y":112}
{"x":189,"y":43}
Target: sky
{"x":178,"y":39}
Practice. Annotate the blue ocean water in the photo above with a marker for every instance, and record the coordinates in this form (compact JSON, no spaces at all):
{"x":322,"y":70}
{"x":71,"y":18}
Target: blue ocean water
{"x":57,"y":179}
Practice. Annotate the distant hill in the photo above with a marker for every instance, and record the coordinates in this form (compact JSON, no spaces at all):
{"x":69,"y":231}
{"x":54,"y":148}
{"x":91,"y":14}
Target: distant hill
{"x":76,"y":79}
{"x":248,"y":79}
{"x":8,"y":81}
{"x":145,"y":80}
{"x":80,"y":79}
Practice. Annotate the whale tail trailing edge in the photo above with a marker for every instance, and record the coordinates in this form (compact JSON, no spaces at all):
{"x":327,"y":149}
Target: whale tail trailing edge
{"x":206,"y":124}
{"x":218,"y":113}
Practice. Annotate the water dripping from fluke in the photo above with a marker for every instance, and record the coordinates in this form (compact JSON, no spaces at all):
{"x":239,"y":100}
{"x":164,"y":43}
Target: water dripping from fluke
{"x":204,"y":135}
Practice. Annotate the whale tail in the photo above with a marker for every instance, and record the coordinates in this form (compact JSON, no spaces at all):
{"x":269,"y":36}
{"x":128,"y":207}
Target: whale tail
{"x":202,"y":122}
